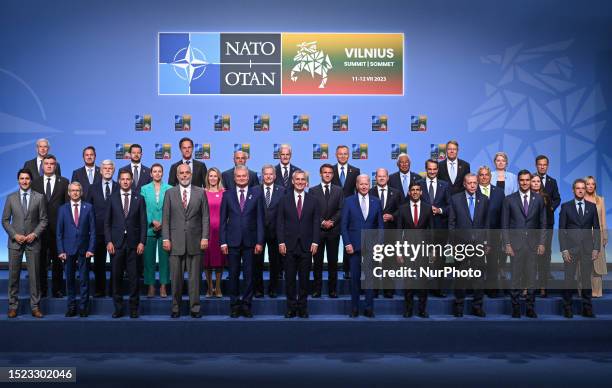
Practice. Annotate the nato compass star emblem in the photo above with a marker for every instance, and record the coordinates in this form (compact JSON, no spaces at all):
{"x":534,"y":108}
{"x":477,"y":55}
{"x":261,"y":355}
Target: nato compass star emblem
{"x":189,"y":63}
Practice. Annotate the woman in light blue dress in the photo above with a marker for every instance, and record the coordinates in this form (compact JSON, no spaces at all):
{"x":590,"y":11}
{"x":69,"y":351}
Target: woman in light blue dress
{"x":500,"y":177}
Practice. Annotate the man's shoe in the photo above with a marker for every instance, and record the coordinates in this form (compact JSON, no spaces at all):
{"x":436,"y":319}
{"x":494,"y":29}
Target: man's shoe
{"x":479,"y":312}
{"x":408,"y":313}
{"x":316,"y":294}
{"x":196,"y":315}
{"x":516,"y":312}
{"x":247,"y":313}
{"x":423,"y":314}
{"x":272,"y":294}
{"x":58,"y":294}
{"x":259,"y":295}
{"x":588,"y":313}
{"x":388,"y":294}
{"x":134,"y":314}
{"x":175,"y":314}
{"x":303,"y":313}
{"x":70,"y":313}
{"x":567,"y":313}
{"x":290,"y":314}
{"x":12,"y":313}
{"x":531,"y":313}
{"x":117,"y":314}
{"x":99,"y":295}
{"x":368,"y":313}
{"x":84,"y":313}
{"x":354,"y":314}
{"x":347,"y":276}
{"x":333,"y":294}
{"x":458,"y":311}
{"x":235,"y":313}
{"x":37,"y":314}
{"x":438,"y":294}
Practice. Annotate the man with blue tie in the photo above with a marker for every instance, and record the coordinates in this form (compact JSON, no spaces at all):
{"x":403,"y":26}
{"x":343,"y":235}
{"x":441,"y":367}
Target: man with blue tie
{"x":402,"y":178}
{"x":579,"y":238}
{"x":99,"y":197}
{"x":89,"y":174}
{"x":125,"y":233}
{"x":524,"y":234}
{"x":468,"y":215}
{"x":297,"y":228}
{"x":241,"y":235}
{"x":360,"y":212}
{"x":76,"y":240}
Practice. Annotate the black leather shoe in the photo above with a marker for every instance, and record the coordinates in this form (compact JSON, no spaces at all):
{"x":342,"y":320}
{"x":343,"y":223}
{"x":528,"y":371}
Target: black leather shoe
{"x":516,"y":312}
{"x":479,"y":313}
{"x":290,"y":314}
{"x":531,"y":313}
{"x":117,"y":314}
{"x":175,"y":314}
{"x":134,"y":314}
{"x":259,"y":295}
{"x":354,"y":314}
{"x":368,"y":313}
{"x":235,"y":313}
{"x":458,"y":311}
{"x":58,"y":294}
{"x":423,"y":314}
{"x":388,"y":295}
{"x":99,"y":295}
{"x":71,"y":313}
{"x":438,"y":294}
{"x":247,"y":313}
{"x":196,"y":315}
{"x":346,"y":276}
{"x":84,"y":313}
{"x":408,"y":313}
{"x":316,"y":294}
{"x":303,"y":314}
{"x":333,"y":294}
{"x":588,"y":314}
{"x":567,"y":313}
{"x":272,"y":294}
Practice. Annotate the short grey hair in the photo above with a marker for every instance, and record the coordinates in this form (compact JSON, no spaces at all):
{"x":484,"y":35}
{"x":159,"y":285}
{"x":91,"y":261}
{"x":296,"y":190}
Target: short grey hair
{"x":361,"y":176}
{"x":287,"y":146}
{"x":43,"y":139}
{"x":108,"y":161}
{"x":267,"y":166}
{"x":402,"y":155}
{"x":75,"y":183}
{"x":240,"y":167}
{"x":296,"y":172}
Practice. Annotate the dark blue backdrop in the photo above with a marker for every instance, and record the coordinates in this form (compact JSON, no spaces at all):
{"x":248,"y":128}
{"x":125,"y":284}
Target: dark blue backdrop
{"x":527,"y":77}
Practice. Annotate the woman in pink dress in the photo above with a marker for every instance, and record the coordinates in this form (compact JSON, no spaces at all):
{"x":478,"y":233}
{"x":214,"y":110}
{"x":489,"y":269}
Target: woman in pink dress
{"x":213,"y":258}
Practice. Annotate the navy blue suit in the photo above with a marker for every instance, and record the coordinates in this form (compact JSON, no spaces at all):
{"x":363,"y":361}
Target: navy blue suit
{"x":579,"y":236}
{"x":496,"y":258}
{"x":227,"y":177}
{"x":395,"y":181}
{"x":80,"y":175}
{"x":524,"y":233}
{"x":470,"y":231}
{"x":241,"y":231}
{"x":279,"y":176}
{"x":442,"y":201}
{"x":351,"y":225}
{"x":276,"y":193}
{"x":125,"y":233}
{"x":96,"y":197}
{"x":75,"y":240}
{"x":144,"y":176}
{"x":298,"y":233}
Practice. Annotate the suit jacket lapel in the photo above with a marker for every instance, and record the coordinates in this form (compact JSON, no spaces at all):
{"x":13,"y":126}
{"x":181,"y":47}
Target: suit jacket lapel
{"x":464,"y":202}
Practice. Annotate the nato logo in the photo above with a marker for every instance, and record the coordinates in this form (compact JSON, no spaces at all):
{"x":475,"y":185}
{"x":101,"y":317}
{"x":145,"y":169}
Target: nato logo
{"x":189,"y":63}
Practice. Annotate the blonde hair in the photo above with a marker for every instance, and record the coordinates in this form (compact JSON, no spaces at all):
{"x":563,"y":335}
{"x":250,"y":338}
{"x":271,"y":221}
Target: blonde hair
{"x":219,"y":183}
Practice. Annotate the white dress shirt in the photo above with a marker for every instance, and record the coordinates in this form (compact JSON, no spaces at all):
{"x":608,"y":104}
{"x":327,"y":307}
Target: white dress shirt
{"x":246,"y":191}
{"x":52,"y":183}
{"x":28,"y":197}
{"x":418,"y":203}
{"x":188,"y":190}
{"x":367,"y":203}
{"x":72,"y":203}
{"x":295,"y":197}
{"x":522,"y":196}
{"x":450,"y":170}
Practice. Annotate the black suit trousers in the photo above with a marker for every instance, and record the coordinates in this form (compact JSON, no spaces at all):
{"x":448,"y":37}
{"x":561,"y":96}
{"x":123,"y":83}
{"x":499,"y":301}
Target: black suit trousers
{"x":125,"y":259}
{"x":48,"y":257}
{"x":586,"y":269}
{"x":99,"y":265}
{"x":523,"y":274}
{"x":297,"y":262}
{"x":327,"y":243}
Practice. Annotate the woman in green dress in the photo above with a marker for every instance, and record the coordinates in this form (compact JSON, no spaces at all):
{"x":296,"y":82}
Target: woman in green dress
{"x":153,"y":194}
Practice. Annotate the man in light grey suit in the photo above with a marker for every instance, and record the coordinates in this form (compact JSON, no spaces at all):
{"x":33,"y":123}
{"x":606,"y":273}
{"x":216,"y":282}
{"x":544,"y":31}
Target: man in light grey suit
{"x":185,"y":224}
{"x":24,"y":219}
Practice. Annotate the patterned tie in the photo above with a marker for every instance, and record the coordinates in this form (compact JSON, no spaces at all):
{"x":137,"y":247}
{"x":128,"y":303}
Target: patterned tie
{"x":48,"y":189}
{"x":580,"y":212}
{"x":40,"y":168}
{"x":525,"y":205}
{"x":299,"y":206}
{"x":415,"y":218}
{"x":126,"y":204}
{"x":486,"y":190}
{"x":405,"y":185}
{"x":242,"y":201}
{"x":107,"y":191}
{"x":326,"y":193}
{"x":136,"y":176}
{"x":285,"y":176}
{"x":471,"y":208}
{"x":453,"y":172}
{"x":382,"y":198}
{"x":76,"y":214}
{"x":24,"y":203}
{"x":432,"y":195}
{"x":364,"y":207}
{"x":268,"y":196}
{"x":342,"y":176}
{"x":184,"y":199}
{"x":90,"y":175}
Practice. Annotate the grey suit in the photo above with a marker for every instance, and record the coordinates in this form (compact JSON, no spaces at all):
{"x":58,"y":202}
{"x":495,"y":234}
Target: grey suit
{"x":16,"y":221}
{"x":185,"y":228}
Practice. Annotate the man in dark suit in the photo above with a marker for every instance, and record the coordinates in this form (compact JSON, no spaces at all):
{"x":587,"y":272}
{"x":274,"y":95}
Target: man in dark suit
{"x":416,"y":218}
{"x":141,"y":174}
{"x":453,"y":169}
{"x":297,"y":228}
{"x":55,"y":191}
{"x":272,"y":196}
{"x":345,"y":176}
{"x":360,"y":212}
{"x":89,"y":174}
{"x":549,"y":185}
{"x":579,"y":238}
{"x":436,"y":193}
{"x":198,"y":169}
{"x":390,"y":201}
{"x":285,"y":170}
{"x":99,"y":197}
{"x":76,"y":240}
{"x":240,"y":159}
{"x":524,"y":234}
{"x":35,"y":166}
{"x":401,"y":179}
{"x":496,"y":258}
{"x":24,"y":219}
{"x":468,"y":214}
{"x":125,"y":233}
{"x":241,"y":235}
{"x":330,"y":199}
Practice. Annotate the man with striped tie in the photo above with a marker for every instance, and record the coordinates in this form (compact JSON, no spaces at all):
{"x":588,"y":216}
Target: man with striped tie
{"x":285,"y":170}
